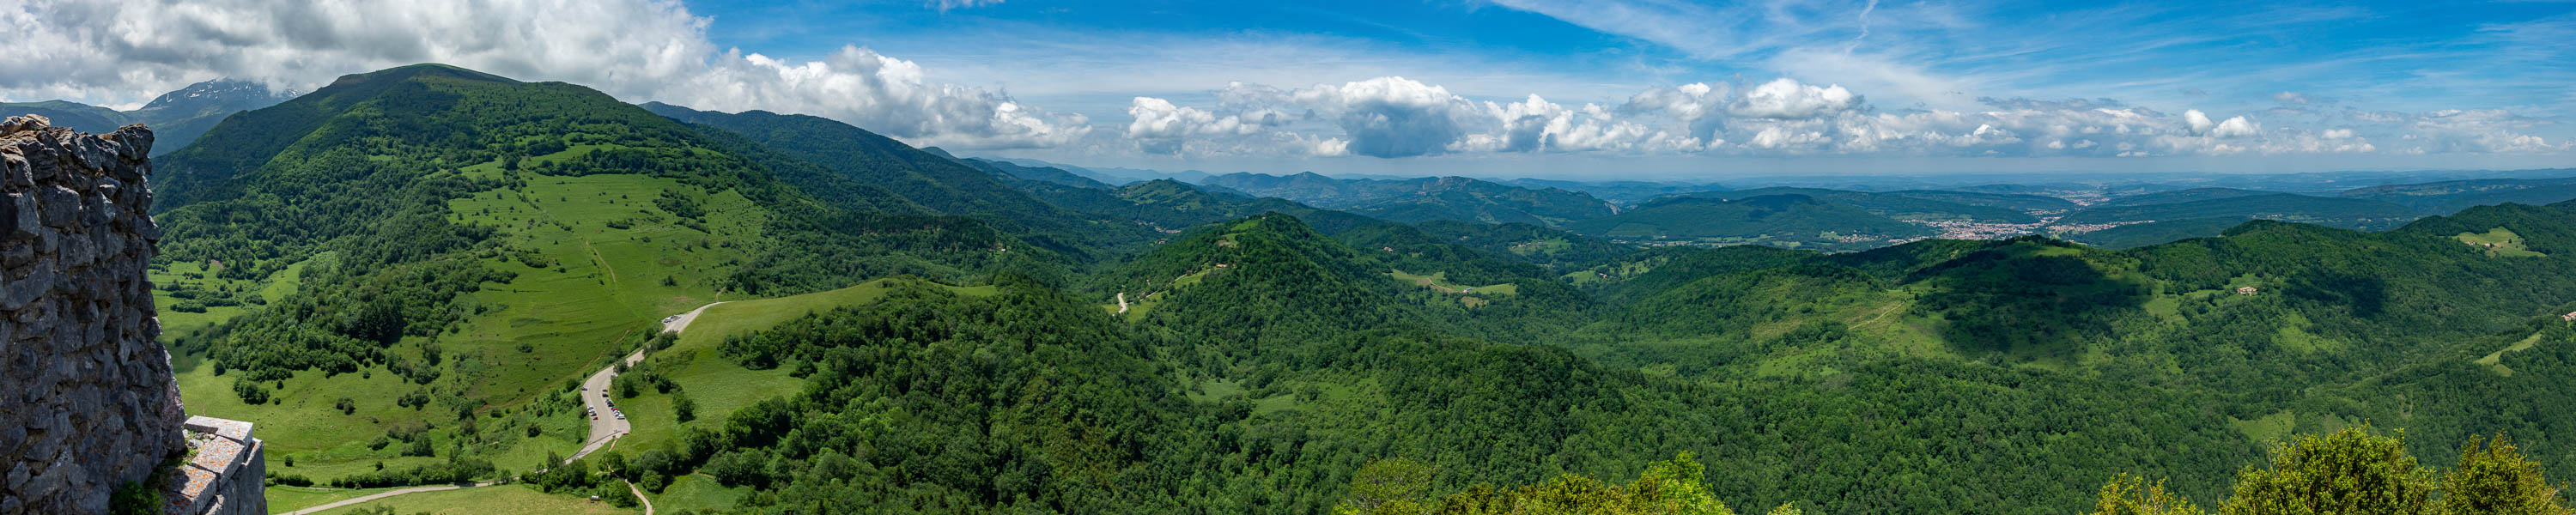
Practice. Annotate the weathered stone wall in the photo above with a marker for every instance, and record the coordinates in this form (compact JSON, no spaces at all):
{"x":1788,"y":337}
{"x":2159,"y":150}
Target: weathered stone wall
{"x":86,"y":397}
{"x":224,"y":474}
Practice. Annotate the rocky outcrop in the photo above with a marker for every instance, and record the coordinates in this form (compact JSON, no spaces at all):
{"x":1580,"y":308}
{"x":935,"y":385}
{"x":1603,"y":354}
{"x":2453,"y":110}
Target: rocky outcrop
{"x":87,"y":402}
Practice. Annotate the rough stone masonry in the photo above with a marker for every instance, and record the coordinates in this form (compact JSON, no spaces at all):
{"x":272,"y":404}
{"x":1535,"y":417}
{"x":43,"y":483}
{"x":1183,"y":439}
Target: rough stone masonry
{"x":87,"y":401}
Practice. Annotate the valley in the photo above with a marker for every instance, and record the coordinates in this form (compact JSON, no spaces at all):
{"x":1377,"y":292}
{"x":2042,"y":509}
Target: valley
{"x":412,"y":278}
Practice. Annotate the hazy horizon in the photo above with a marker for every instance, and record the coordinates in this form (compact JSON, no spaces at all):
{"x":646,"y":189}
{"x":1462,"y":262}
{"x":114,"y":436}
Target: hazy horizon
{"x":1595,"y":90}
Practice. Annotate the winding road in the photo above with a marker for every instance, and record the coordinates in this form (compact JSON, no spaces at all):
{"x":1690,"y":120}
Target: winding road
{"x":607,"y":427}
{"x":603,"y":430}
{"x":381,"y":495}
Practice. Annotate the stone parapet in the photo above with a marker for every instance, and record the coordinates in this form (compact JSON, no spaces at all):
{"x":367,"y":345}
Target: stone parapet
{"x":225,"y":473}
{"x":87,"y":401}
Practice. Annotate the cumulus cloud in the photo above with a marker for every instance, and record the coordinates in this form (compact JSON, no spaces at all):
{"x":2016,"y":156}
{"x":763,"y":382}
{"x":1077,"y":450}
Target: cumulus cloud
{"x":637,"y":50}
{"x":1162,"y":128}
{"x":1787,"y":99}
{"x":1537,"y":124}
{"x":1699,"y":106}
{"x":1396,"y":117}
{"x":2233,"y":127}
{"x":1391,"y":116}
{"x":2478,"y":131}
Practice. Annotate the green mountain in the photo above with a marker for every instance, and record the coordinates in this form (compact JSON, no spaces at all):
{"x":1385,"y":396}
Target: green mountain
{"x":1782,"y":220}
{"x":412,"y":247}
{"x":2151,"y":233}
{"x":1622,"y":192}
{"x":78,"y":116}
{"x":941,"y":184}
{"x":2180,"y":196}
{"x":401,"y":276}
{"x":1035,"y":173}
{"x":2027,"y":203}
{"x":1423,"y":199}
{"x":1922,"y":205}
{"x":2336,"y":212}
{"x":177,"y":118}
{"x":2442,"y":198}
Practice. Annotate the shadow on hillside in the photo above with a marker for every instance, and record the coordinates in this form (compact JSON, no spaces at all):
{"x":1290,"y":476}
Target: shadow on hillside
{"x":2011,"y":301}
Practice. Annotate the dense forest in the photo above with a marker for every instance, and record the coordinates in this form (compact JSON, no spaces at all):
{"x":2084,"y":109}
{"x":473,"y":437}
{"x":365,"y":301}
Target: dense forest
{"x":403,"y":275}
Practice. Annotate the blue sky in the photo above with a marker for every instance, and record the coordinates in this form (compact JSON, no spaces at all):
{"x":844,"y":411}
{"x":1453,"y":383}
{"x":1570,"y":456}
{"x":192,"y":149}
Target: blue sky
{"x":1559,"y":88}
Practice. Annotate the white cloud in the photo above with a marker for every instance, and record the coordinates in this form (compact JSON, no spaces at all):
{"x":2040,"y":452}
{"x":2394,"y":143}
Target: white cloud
{"x":945,"y":5}
{"x":2478,"y":131}
{"x":1163,"y":128}
{"x":2198,"y":121}
{"x":1536,"y":124}
{"x":1391,"y":116}
{"x":1700,"y":106}
{"x":1781,"y":117}
{"x":636,"y":50}
{"x":2286,"y":97}
{"x":1787,"y":99}
{"x":2236,"y":127}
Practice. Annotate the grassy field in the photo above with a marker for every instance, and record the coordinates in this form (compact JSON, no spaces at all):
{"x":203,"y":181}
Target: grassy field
{"x":1439,"y":281}
{"x":717,"y":385}
{"x":2499,"y":242}
{"x":169,"y":279}
{"x":2268,"y":428}
{"x":291,"y":498}
{"x":600,"y":284}
{"x":490,"y":500}
{"x":2495,"y":359}
{"x":696,"y":492}
{"x":598,"y":262}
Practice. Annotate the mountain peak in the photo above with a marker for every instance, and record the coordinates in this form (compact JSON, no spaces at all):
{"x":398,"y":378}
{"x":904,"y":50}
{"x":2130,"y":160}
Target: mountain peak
{"x":408,"y":72}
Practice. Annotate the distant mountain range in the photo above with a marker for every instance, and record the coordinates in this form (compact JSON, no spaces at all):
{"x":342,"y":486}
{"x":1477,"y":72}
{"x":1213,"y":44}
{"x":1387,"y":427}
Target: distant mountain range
{"x":177,"y":118}
{"x":1424,"y":199}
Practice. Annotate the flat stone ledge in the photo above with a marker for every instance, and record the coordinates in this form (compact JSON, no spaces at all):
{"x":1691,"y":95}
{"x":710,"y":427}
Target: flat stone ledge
{"x":222,"y":448}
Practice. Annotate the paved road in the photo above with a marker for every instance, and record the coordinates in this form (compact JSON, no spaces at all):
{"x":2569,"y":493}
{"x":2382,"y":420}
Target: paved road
{"x":607,"y":428}
{"x":681,"y":321}
{"x":602,"y":431}
{"x":388,"y":493}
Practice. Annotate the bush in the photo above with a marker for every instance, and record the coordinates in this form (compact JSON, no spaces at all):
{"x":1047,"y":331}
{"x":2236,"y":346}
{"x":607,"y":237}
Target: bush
{"x":134,"y":498}
{"x":276,"y":479}
{"x":250,"y":391}
{"x":2350,"y":471}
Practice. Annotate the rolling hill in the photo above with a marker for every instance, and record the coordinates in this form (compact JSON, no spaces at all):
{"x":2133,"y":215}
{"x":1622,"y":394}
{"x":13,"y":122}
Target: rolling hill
{"x":2179,"y":196}
{"x":1915,"y":205}
{"x":1783,"y":220}
{"x":408,"y":246}
{"x":2349,"y":213}
{"x":1423,"y":199}
{"x":403,"y":270}
{"x":941,"y":184}
{"x":2442,"y":198}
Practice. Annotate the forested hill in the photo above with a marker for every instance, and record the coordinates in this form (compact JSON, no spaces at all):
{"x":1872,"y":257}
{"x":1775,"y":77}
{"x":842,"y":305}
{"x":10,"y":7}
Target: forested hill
{"x":1423,"y":199}
{"x":942,"y":184}
{"x":402,"y":276}
{"x":425,"y":245}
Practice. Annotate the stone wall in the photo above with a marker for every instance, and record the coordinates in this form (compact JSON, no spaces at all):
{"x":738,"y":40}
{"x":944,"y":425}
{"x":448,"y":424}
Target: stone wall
{"x":224,"y":474}
{"x":86,"y":397}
